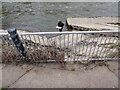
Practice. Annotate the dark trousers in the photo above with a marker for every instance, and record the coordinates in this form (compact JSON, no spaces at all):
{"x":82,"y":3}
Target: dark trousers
{"x":60,"y":29}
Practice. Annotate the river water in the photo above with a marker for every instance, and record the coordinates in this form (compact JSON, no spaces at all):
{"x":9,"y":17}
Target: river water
{"x":43,"y":16}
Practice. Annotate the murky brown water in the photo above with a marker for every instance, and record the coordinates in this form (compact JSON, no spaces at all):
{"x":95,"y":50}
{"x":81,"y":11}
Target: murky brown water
{"x":43,"y":16}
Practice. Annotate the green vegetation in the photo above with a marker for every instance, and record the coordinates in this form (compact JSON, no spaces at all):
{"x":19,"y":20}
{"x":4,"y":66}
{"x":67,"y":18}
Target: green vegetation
{"x":75,"y":62}
{"x":79,"y":55}
{"x":95,"y":56}
{"x":111,"y":45}
{"x":26,"y":2}
{"x":85,"y":62}
{"x":2,"y":89}
{"x":106,"y":43}
{"x":68,"y":55}
{"x":115,"y":54}
{"x":72,"y":69}
{"x":101,"y":63}
{"x":114,"y":46}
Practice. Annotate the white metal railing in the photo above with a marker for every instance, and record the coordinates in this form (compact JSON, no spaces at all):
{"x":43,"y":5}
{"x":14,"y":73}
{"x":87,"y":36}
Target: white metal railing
{"x":69,"y":46}
{"x":75,"y":32}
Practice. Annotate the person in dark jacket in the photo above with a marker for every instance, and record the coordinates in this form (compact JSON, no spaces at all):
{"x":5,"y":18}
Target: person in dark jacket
{"x":60,"y":25}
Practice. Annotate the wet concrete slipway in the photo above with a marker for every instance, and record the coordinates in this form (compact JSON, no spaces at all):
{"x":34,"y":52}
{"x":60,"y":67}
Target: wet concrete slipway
{"x":93,"y":24}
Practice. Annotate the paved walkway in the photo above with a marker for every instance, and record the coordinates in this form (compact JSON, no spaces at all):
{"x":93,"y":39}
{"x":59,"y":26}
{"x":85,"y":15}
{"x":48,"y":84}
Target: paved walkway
{"x":47,"y":76}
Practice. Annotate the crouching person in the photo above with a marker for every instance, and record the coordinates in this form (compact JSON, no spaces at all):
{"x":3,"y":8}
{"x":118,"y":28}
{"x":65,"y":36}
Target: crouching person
{"x":60,"y":25}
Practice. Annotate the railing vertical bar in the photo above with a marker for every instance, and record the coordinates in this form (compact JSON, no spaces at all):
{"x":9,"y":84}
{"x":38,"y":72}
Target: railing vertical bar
{"x":68,"y":48}
{"x":117,"y":47}
{"x":83,"y":49}
{"x":60,"y":41}
{"x":92,"y":40}
{"x":24,"y":42}
{"x":104,"y":48}
{"x":112,"y":48}
{"x":31,"y":48}
{"x":75,"y":46}
{"x":79,"y":50}
{"x":107,"y":47}
{"x":39,"y":42}
{"x":64,"y":46}
{"x":97,"y":46}
{"x":95,"y":50}
{"x":53,"y":47}
{"x":56,"y":46}
{"x":36,"y":46}
{"x":48,"y":48}
{"x":87,"y":44}
{"x":101,"y":48}
{"x":42,"y":44}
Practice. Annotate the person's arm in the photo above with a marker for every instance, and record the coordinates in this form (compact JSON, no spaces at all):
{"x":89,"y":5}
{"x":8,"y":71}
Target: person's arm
{"x":62,"y":24}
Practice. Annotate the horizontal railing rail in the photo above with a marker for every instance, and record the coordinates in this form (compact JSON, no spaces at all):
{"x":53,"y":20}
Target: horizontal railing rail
{"x":74,"y":32}
{"x":67,"y":32}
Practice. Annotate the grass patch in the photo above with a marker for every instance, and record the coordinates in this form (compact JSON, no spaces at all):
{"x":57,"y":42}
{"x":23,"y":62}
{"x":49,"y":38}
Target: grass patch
{"x":106,"y":43}
{"x":85,"y":62}
{"x":101,"y":63}
{"x":115,"y":54}
{"x":3,"y":89}
{"x":72,"y":69}
{"x":114,"y":46}
{"x":95,"y":56}
{"x":110,"y":45}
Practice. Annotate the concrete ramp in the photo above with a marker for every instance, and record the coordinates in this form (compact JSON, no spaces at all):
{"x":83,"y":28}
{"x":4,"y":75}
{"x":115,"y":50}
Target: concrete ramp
{"x":91,"y":24}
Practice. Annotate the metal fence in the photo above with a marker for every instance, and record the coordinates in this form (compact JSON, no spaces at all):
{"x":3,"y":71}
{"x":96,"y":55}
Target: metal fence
{"x":66,"y":46}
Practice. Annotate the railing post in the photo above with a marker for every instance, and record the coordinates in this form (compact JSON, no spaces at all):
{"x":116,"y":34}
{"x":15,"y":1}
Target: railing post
{"x":17,"y":42}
